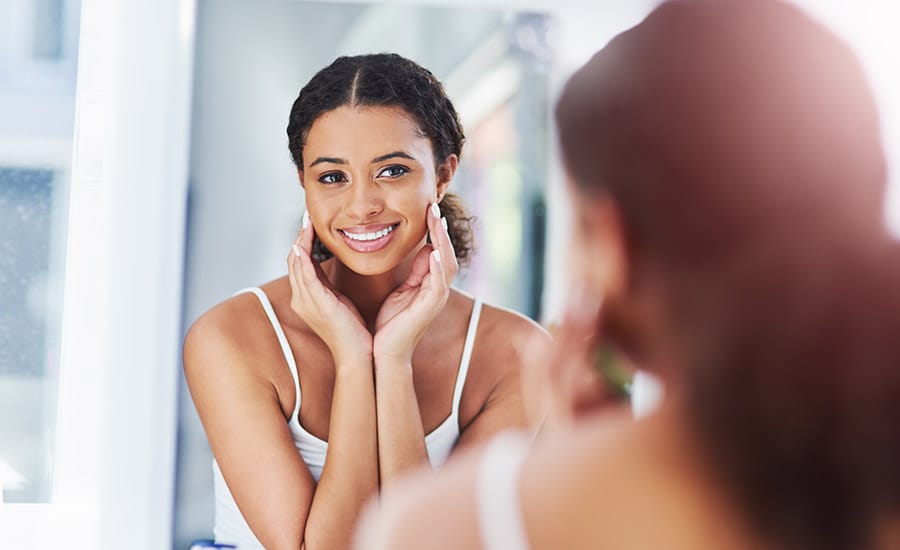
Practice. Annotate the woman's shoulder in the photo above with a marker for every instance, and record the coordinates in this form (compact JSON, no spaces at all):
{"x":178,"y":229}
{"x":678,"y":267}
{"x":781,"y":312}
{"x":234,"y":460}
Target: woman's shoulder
{"x":503,"y":332}
{"x":498,"y":374}
{"x":234,"y":328}
{"x":638,"y":471}
{"x":557,"y":465}
{"x":510,"y":323}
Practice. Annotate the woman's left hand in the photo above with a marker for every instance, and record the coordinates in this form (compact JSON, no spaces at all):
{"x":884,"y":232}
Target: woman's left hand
{"x":408,"y":311}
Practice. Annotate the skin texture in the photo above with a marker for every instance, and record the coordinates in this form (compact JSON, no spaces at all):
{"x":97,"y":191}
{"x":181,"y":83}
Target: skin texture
{"x":377,"y":337}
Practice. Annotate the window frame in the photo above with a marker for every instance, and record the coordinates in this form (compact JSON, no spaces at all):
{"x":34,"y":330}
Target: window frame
{"x":127,"y":198}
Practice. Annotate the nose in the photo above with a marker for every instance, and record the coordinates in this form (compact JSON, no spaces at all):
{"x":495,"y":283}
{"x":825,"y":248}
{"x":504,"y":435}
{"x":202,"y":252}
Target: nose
{"x":364,"y":200}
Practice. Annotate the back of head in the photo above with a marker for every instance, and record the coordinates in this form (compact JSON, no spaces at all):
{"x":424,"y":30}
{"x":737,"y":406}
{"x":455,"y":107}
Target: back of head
{"x":741,"y":143}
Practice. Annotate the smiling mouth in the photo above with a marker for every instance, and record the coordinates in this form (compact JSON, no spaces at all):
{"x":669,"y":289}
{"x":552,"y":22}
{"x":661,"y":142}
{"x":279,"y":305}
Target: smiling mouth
{"x":372,"y":236}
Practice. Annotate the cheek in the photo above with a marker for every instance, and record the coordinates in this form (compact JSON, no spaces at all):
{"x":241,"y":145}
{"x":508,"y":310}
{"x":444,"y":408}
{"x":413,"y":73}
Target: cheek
{"x":319,"y":208}
{"x":415,"y":201}
{"x":314,"y":213}
{"x":416,"y":214}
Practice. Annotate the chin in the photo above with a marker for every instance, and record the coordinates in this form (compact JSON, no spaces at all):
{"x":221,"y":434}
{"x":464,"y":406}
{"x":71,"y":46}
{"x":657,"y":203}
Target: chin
{"x":369,"y":265}
{"x":368,"y":269}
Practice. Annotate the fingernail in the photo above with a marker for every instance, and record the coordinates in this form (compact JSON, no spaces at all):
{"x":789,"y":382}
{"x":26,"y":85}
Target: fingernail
{"x":296,"y":250}
{"x":305,"y":220}
{"x":444,"y":222}
{"x":437,"y":255}
{"x":435,"y":210}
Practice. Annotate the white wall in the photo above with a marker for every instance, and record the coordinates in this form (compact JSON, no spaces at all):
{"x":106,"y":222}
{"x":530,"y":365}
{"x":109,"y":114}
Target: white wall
{"x":871,"y":29}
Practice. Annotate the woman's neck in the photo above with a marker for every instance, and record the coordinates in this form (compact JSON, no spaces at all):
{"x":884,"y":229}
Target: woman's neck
{"x":671,"y":446}
{"x":367,"y":292}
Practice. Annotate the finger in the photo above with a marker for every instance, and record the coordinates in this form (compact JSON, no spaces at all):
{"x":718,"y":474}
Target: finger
{"x":322,"y":277}
{"x":307,"y":234}
{"x":419,"y":269}
{"x":434,"y":287}
{"x":312,"y":280}
{"x":305,"y":241}
{"x":440,"y":238}
{"x":292,"y":259}
{"x":292,"y":274}
{"x":570,"y":364}
{"x":578,"y":331}
{"x":295,"y":275}
{"x":436,"y":269}
{"x":301,"y":298}
{"x":297,"y":250}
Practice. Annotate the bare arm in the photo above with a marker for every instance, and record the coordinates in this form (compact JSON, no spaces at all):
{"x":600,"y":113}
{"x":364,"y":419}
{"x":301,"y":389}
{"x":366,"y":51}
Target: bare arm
{"x":250,"y":439}
{"x":401,"y":436}
{"x":350,"y":475}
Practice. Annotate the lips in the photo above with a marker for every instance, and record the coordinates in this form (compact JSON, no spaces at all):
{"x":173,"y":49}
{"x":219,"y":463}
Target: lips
{"x":368,"y":238}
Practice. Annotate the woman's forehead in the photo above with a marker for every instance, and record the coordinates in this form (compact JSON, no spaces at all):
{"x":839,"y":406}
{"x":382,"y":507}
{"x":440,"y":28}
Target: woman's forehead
{"x":360,"y":134}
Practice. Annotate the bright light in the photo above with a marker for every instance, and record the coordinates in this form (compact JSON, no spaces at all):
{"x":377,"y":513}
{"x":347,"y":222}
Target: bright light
{"x":869,"y":26}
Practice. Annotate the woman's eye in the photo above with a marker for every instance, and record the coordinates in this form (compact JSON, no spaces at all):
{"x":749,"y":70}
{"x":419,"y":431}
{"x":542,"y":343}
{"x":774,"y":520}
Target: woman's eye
{"x":393,"y":171}
{"x":332,"y":178}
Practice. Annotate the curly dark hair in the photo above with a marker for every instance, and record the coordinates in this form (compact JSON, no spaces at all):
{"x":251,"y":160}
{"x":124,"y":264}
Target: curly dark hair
{"x":387,"y":80}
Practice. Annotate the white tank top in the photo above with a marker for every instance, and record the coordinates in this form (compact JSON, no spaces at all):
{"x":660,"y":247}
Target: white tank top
{"x":498,"y":500}
{"x":230,"y":526}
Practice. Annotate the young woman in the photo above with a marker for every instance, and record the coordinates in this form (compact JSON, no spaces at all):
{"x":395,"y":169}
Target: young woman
{"x":362,"y":362}
{"x":728,"y":179}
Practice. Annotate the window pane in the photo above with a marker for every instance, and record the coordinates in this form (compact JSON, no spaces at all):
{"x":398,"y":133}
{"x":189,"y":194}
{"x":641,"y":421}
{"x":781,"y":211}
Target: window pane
{"x":36,"y":120}
{"x":47,"y":40}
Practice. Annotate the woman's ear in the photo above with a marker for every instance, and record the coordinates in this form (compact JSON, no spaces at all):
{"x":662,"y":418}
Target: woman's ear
{"x":445,"y":173}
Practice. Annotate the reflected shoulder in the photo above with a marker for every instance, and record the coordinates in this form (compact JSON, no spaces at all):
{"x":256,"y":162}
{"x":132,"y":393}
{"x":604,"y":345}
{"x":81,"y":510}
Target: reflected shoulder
{"x":503,"y":333}
{"x":428,"y":509}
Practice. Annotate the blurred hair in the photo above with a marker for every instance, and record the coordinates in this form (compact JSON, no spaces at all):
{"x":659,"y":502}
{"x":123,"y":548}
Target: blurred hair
{"x":387,"y":80}
{"x":740,"y":141}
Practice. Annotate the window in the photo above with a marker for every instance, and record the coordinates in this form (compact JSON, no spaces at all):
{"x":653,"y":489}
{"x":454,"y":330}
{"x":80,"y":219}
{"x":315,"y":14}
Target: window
{"x":37,"y":99}
{"x":30,"y":263}
{"x":93,"y":184}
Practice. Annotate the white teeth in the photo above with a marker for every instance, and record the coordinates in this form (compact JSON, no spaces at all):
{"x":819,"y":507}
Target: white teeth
{"x":370,"y":236}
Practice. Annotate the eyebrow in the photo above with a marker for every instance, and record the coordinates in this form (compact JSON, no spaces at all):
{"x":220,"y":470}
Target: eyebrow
{"x":395,"y":154}
{"x":332,"y":160}
{"x":382,"y":158}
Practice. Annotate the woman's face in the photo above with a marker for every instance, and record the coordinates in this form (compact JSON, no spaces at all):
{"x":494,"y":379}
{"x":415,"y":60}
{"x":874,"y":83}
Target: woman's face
{"x":370,"y":177}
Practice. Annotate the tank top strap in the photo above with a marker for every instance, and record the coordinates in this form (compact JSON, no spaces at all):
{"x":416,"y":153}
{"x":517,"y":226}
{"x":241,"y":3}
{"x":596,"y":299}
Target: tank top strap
{"x":466,"y":356}
{"x":282,"y":340}
{"x":498,"y":495}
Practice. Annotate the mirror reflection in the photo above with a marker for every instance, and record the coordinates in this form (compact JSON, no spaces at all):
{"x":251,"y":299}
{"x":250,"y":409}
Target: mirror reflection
{"x":373,"y":146}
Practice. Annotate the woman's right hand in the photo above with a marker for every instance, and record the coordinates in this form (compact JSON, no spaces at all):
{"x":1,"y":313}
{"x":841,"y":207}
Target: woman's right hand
{"x":562,"y":376}
{"x":330,"y":314}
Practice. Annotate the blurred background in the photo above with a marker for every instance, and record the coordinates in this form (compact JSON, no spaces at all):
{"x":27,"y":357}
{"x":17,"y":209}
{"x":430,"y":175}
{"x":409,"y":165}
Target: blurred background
{"x":144,"y":177}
